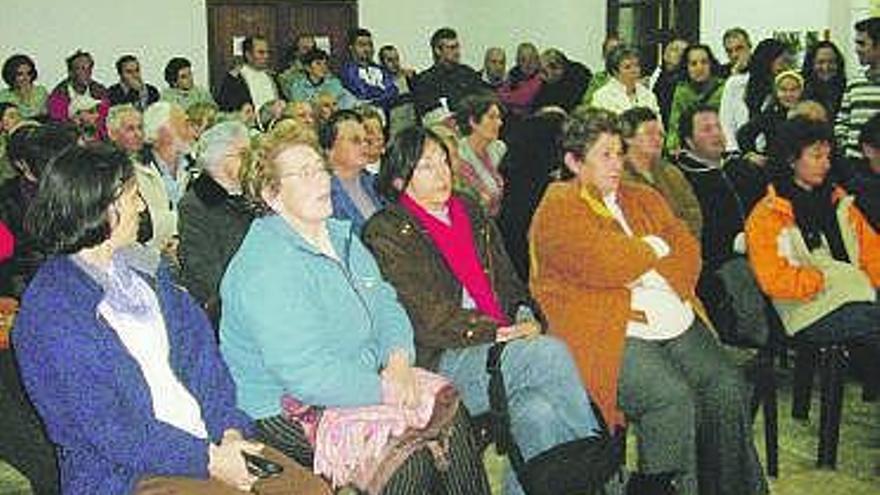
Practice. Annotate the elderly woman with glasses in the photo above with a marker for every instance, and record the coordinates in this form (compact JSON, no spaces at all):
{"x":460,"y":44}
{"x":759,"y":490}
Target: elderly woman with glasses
{"x":308,"y":320}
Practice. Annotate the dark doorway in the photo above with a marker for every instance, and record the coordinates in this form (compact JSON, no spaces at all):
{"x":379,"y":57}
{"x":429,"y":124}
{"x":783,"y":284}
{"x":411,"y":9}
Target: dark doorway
{"x":278,"y":21}
{"x":649,"y":24}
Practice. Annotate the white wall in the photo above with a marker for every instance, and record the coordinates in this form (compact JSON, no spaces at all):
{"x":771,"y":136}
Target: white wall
{"x":154,"y":30}
{"x":577,"y":27}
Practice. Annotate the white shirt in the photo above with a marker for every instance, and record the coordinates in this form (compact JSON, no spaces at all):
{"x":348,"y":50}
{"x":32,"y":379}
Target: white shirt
{"x":260,"y":85}
{"x":667,"y":315}
{"x":613,"y":96}
{"x":734,"y":112}
{"x":148,"y":345}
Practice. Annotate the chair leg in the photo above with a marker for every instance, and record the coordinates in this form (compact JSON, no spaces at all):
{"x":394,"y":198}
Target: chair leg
{"x":833,"y":362}
{"x":804,"y":368}
{"x":771,"y":425}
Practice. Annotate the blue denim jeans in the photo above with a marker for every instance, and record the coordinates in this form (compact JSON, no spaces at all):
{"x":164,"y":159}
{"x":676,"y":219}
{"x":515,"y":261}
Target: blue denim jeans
{"x":548,"y":403}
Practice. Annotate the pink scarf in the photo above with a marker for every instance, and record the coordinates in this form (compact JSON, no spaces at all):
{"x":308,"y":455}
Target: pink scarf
{"x":458,"y":248}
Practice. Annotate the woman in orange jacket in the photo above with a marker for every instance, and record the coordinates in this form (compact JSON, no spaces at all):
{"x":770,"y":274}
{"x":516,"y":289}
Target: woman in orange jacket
{"x":812,"y":250}
{"x":614,"y":271}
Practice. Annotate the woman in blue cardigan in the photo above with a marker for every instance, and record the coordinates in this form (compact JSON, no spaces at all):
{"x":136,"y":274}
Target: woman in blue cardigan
{"x":119,"y":362}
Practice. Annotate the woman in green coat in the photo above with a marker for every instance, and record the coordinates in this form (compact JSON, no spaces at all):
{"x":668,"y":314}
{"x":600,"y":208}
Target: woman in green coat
{"x":703,"y":84}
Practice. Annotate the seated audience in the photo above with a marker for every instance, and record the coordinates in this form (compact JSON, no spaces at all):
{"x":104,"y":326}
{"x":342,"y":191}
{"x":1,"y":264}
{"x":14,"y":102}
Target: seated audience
{"x":598,"y":80}
{"x":700,"y":84}
{"x":10,"y":119}
{"x":445,"y":83}
{"x":165,"y":170}
{"x":352,"y":188}
{"x":824,"y":74}
{"x":307,"y":315}
{"x":317,"y":80}
{"x":131,"y":87}
{"x":601,"y":243}
{"x":563,"y":81}
{"x":738,"y":48}
{"x":214,"y":216}
{"x":202,"y":116}
{"x":812,"y":249}
{"x":480,"y":117}
{"x":147,"y":405}
{"x":253,"y":83}
{"x":447,"y":261}
{"x":78,"y":91}
{"x":182,"y":89}
{"x":494,"y":67}
{"x":19,"y":74}
{"x":31,"y":147}
{"x":364,"y":78}
{"x":624,"y":89}
{"x":402,"y":113}
{"x":302,"y":43}
{"x":726,"y":188}
{"x":758,"y":138}
{"x":668,"y":76}
{"x":865,"y":183}
{"x":374,"y":125}
{"x":523,"y":81}
{"x":642,"y":133}
{"x":742,"y":90}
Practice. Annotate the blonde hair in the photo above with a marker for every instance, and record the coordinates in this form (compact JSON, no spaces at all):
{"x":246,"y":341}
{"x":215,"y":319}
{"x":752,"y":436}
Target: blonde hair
{"x":259,"y":171}
{"x":809,"y":109}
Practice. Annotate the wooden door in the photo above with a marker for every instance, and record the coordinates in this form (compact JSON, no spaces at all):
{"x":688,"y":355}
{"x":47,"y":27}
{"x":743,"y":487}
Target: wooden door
{"x":649,"y":24}
{"x":279,"y":21}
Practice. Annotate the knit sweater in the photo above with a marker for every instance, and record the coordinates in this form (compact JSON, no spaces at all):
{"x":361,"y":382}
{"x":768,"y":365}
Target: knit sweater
{"x":91,"y":393}
{"x":583,"y":263}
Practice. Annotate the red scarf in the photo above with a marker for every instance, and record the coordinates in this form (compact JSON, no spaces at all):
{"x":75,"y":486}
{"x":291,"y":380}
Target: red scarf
{"x":456,"y":244}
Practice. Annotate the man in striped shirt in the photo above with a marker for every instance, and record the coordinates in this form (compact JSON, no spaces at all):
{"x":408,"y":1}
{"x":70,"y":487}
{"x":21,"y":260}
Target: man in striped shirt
{"x":862,"y":97}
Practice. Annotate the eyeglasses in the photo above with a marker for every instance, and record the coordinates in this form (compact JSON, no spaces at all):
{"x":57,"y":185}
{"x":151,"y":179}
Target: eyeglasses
{"x":308,"y":173}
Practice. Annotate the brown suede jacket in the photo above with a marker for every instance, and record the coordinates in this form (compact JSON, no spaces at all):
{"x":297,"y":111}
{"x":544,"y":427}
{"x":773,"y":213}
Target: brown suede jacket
{"x":427,"y":287}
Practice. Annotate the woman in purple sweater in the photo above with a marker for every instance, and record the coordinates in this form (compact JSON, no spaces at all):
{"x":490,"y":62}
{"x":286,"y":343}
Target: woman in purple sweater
{"x":119,"y":362}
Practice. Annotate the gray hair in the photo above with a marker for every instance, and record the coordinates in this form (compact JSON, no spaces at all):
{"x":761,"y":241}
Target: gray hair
{"x":156,"y":116}
{"x":114,"y":116}
{"x":214,"y":143}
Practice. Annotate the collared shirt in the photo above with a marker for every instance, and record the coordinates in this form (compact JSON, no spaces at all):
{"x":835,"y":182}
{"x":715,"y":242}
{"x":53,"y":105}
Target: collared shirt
{"x":175,"y":185}
{"x":667,"y":316}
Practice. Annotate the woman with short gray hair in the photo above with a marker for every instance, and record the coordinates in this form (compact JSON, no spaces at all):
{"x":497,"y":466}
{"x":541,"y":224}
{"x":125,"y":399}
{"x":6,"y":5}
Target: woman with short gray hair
{"x":624,"y":89}
{"x":214,"y":217}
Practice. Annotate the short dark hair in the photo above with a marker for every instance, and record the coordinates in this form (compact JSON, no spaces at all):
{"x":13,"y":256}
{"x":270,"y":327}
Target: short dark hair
{"x":77,"y":54}
{"x":383,"y":50}
{"x":870,"y":133}
{"x":247,"y":45}
{"x":34,"y":145}
{"x":800,"y":132}
{"x":686,"y":122}
{"x":617,"y":55}
{"x":70,"y":210}
{"x":474,"y":106}
{"x":173,"y":68}
{"x":808,"y":70}
{"x":355,"y":33}
{"x":631,"y":119}
{"x":444,"y":33}
{"x":313,"y":55}
{"x":124,"y":60}
{"x":11,"y":65}
{"x":870,"y":26}
{"x":736,"y":31}
{"x":402,"y":156}
{"x":582,"y":129}
{"x":330,"y":130}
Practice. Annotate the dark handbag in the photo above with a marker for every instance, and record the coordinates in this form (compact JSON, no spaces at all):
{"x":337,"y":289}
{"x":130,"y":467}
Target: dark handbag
{"x":578,"y":467}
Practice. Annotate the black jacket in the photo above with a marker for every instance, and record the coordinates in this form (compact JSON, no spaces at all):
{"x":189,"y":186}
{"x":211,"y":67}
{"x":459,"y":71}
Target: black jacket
{"x":568,"y":91}
{"x":726,"y":195}
{"x":212,"y":224}
{"x":453,"y":82}
{"x":865,"y":186}
{"x":119,"y":95}
{"x":234,"y":92}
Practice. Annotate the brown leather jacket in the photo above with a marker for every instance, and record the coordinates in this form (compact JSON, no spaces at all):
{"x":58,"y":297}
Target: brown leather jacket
{"x":427,"y":287}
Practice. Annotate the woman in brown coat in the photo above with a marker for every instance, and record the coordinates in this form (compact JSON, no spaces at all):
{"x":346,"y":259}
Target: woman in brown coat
{"x":614,"y":271}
